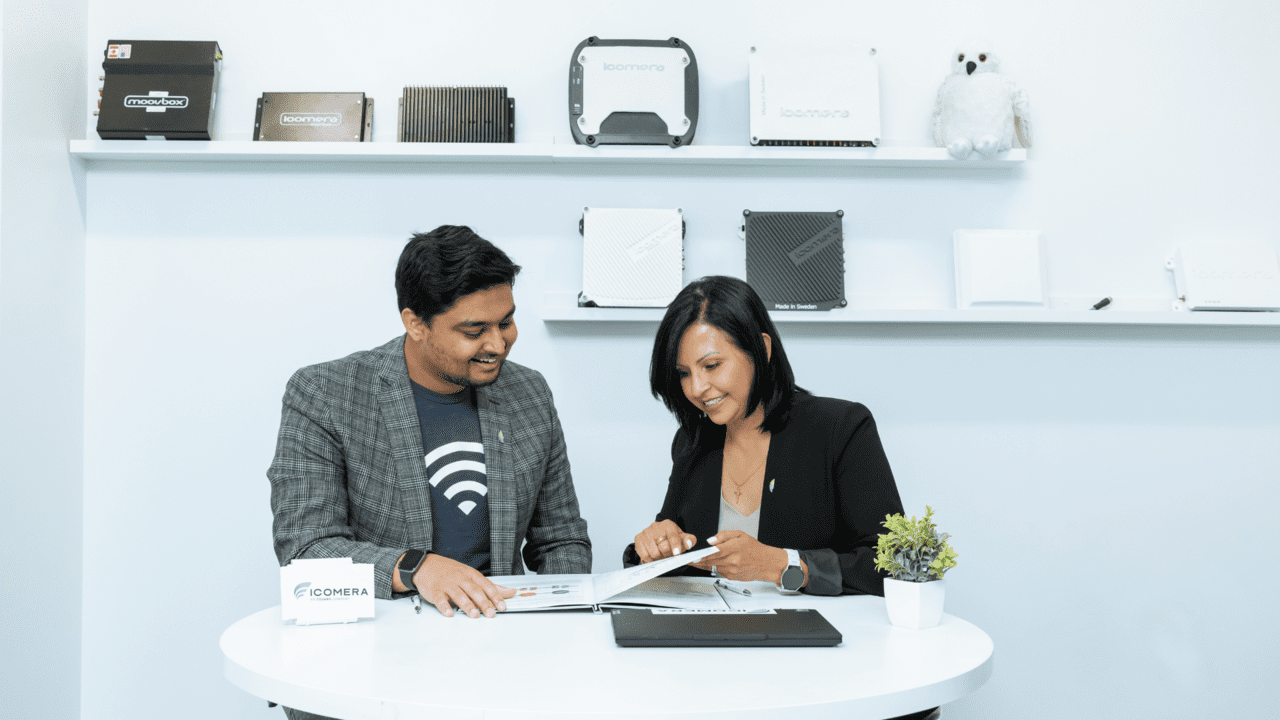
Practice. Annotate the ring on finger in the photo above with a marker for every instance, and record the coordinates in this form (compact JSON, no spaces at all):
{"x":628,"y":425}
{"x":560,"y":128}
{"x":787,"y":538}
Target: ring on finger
{"x":662,"y":539}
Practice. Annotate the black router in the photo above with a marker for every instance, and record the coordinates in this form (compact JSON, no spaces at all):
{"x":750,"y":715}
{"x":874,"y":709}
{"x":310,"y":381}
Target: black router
{"x":314,"y":117}
{"x":795,"y":260}
{"x":158,"y":90}
{"x":457,"y":114}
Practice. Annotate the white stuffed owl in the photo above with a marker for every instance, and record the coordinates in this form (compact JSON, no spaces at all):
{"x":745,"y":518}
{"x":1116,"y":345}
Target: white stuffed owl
{"x":978,"y":108}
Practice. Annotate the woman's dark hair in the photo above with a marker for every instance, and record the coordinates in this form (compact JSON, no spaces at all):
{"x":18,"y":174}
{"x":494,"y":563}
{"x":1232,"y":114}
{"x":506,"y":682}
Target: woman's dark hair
{"x":732,"y":306}
{"x":438,"y":267}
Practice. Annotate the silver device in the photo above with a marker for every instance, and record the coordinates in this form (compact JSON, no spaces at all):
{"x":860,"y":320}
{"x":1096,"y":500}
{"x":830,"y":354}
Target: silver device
{"x":815,"y":99}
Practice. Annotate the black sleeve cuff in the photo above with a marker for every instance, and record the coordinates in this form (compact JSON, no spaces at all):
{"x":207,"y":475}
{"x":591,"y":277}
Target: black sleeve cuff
{"x":825,"y":577}
{"x":630,"y":558}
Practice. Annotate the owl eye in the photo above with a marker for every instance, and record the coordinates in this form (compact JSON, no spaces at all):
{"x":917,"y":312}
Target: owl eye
{"x":982,"y":57}
{"x":961,"y":58}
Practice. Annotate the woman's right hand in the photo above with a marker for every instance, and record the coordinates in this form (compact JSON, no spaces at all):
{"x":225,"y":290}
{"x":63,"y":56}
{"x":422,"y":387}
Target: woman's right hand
{"x":662,"y":540}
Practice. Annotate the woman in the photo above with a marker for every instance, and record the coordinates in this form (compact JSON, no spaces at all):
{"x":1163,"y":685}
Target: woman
{"x":791,"y":487}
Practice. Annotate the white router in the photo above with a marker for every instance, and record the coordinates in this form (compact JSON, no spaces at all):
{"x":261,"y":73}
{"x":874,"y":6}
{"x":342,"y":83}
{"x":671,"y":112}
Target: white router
{"x":631,"y":257}
{"x":815,"y":99}
{"x":1000,"y":268}
{"x":1225,"y":276}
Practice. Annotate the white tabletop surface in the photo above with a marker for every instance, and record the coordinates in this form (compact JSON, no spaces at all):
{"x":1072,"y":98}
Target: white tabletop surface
{"x":402,"y":666}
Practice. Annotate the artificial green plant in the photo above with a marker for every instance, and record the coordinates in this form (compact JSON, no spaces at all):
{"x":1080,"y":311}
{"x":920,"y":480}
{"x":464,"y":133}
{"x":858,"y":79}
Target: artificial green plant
{"x":913,"y":550}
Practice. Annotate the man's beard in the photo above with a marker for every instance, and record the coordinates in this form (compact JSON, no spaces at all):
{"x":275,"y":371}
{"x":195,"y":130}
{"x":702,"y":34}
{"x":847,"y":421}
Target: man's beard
{"x":467,"y":382}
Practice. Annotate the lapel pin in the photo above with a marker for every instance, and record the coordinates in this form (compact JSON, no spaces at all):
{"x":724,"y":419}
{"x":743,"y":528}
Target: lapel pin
{"x":501,"y":439}
{"x":771,"y":482}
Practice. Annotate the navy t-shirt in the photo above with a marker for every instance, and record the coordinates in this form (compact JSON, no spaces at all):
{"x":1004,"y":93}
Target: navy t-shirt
{"x":456,"y":470}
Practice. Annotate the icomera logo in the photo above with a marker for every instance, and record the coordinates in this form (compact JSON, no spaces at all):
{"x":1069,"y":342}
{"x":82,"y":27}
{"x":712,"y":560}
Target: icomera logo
{"x":312,"y":119}
{"x":1223,"y":274}
{"x":785,"y":112}
{"x":156,"y":101}
{"x":304,"y":591}
{"x":620,"y":66}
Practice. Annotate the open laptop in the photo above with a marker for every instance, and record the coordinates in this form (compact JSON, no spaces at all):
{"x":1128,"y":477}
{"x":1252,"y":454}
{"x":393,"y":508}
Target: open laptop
{"x":654,"y":627}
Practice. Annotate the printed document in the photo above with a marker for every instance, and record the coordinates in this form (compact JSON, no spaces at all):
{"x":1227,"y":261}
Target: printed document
{"x":629,"y":587}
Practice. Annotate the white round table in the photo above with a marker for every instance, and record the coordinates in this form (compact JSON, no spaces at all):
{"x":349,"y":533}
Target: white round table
{"x":558,"y":664}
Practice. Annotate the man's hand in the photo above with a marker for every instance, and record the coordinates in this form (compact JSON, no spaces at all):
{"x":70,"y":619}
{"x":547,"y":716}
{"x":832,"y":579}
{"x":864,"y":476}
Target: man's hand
{"x":742,"y":557}
{"x":662,"y":540}
{"x":441,"y":581}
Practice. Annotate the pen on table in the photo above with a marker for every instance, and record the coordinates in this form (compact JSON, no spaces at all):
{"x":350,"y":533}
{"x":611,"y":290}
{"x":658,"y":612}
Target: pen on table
{"x":417,"y":603}
{"x":1102,"y":303}
{"x":731,"y":588}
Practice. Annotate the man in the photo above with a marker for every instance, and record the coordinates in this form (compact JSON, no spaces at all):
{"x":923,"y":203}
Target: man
{"x":433,"y":456}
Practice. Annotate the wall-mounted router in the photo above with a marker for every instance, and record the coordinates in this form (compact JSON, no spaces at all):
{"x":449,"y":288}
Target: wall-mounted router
{"x":633,"y":92}
{"x":815,"y":100}
{"x":795,"y":260}
{"x":1225,"y":276}
{"x":631,"y":257}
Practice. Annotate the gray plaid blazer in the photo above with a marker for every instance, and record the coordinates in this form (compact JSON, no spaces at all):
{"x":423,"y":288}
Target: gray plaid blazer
{"x":348,"y":477}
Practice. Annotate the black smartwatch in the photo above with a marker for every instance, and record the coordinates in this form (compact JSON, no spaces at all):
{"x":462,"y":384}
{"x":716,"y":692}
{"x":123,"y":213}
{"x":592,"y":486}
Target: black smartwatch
{"x":793,"y":577}
{"x":409,"y":564}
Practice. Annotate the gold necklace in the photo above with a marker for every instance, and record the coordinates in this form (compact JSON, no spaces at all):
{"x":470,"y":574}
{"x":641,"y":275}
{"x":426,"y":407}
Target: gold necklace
{"x":737,"y":486}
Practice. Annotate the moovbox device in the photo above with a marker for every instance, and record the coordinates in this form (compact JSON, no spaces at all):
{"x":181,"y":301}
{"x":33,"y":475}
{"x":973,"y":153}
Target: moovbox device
{"x":159,"y":90}
{"x":322,"y":117}
{"x":814,"y":100}
{"x":633,"y":92}
{"x":1225,"y":276}
{"x":457,"y":114}
{"x":795,"y":260}
{"x":631,"y":258}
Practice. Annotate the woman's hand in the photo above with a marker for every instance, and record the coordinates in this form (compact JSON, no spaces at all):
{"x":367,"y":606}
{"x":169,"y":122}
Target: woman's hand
{"x":742,"y":557}
{"x":662,"y":540}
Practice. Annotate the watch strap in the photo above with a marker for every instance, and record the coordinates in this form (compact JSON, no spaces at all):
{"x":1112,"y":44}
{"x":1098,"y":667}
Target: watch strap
{"x":793,"y":562}
{"x":409,"y":565}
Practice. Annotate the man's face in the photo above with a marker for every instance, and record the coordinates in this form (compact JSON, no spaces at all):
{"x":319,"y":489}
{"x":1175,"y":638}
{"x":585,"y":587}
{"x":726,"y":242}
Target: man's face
{"x":465,"y":345}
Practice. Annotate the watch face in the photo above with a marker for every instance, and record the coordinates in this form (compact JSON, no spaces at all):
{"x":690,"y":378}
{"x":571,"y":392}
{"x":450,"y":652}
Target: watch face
{"x":792,"y":578}
{"x":412,"y":559}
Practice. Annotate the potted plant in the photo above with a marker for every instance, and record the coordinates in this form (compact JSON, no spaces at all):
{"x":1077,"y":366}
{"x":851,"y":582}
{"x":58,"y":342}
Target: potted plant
{"x":916,"y":556}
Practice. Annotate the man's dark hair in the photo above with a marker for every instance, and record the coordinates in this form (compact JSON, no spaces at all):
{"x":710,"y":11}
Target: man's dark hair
{"x":438,"y":267}
{"x":732,"y":306}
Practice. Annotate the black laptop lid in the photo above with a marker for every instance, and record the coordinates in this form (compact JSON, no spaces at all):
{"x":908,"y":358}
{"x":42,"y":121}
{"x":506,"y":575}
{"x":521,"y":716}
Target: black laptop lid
{"x":760,"y":628}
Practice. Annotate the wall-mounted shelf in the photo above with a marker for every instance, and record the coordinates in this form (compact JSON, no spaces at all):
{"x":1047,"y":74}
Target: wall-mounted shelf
{"x":562,"y":307}
{"x":528,"y":153}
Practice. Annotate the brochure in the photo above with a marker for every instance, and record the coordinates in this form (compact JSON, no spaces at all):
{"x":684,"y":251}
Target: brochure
{"x":637,"y":586}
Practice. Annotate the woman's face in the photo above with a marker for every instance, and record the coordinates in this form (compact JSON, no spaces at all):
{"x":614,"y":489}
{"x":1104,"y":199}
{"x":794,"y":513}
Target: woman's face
{"x":714,"y":374}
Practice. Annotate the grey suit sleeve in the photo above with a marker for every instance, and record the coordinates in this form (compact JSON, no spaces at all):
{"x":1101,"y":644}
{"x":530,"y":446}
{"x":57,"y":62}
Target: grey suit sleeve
{"x":556,"y":541}
{"x":309,"y":488}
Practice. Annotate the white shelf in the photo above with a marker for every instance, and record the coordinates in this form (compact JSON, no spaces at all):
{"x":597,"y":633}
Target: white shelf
{"x":527,"y":153}
{"x":562,"y":307}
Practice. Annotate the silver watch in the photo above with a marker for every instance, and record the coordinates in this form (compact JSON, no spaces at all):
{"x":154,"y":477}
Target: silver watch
{"x":793,"y":576}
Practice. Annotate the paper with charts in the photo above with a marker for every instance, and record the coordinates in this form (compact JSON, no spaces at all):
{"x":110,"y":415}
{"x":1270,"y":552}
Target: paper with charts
{"x":633,"y":586}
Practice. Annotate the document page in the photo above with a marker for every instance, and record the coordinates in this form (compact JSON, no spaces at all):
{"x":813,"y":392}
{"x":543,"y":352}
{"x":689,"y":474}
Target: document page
{"x":673,"y":592}
{"x":545,"y":592}
{"x":548,"y":592}
{"x":611,"y":583}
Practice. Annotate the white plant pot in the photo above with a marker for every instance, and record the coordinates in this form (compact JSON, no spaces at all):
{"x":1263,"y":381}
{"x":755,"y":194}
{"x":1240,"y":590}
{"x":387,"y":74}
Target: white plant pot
{"x":914,"y":605}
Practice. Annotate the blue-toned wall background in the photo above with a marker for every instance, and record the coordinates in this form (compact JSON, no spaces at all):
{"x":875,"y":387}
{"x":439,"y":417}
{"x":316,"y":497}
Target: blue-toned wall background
{"x":1109,"y":489}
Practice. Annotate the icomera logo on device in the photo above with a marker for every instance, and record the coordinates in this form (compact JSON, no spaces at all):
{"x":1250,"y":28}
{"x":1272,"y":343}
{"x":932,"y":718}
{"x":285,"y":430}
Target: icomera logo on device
{"x":788,"y":112}
{"x":156,"y":101}
{"x":304,"y":591}
{"x":312,"y":119}
{"x":632,"y":66}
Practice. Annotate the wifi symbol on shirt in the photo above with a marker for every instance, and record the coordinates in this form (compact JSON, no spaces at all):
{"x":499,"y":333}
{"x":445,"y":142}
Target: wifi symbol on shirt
{"x":462,"y":486}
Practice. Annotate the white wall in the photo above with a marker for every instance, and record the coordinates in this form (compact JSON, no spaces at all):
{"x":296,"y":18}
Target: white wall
{"x":41,"y":358}
{"x":1084,"y":472}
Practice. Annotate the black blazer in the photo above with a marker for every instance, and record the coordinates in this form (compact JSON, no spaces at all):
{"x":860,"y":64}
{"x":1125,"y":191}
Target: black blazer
{"x":827,"y":489}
